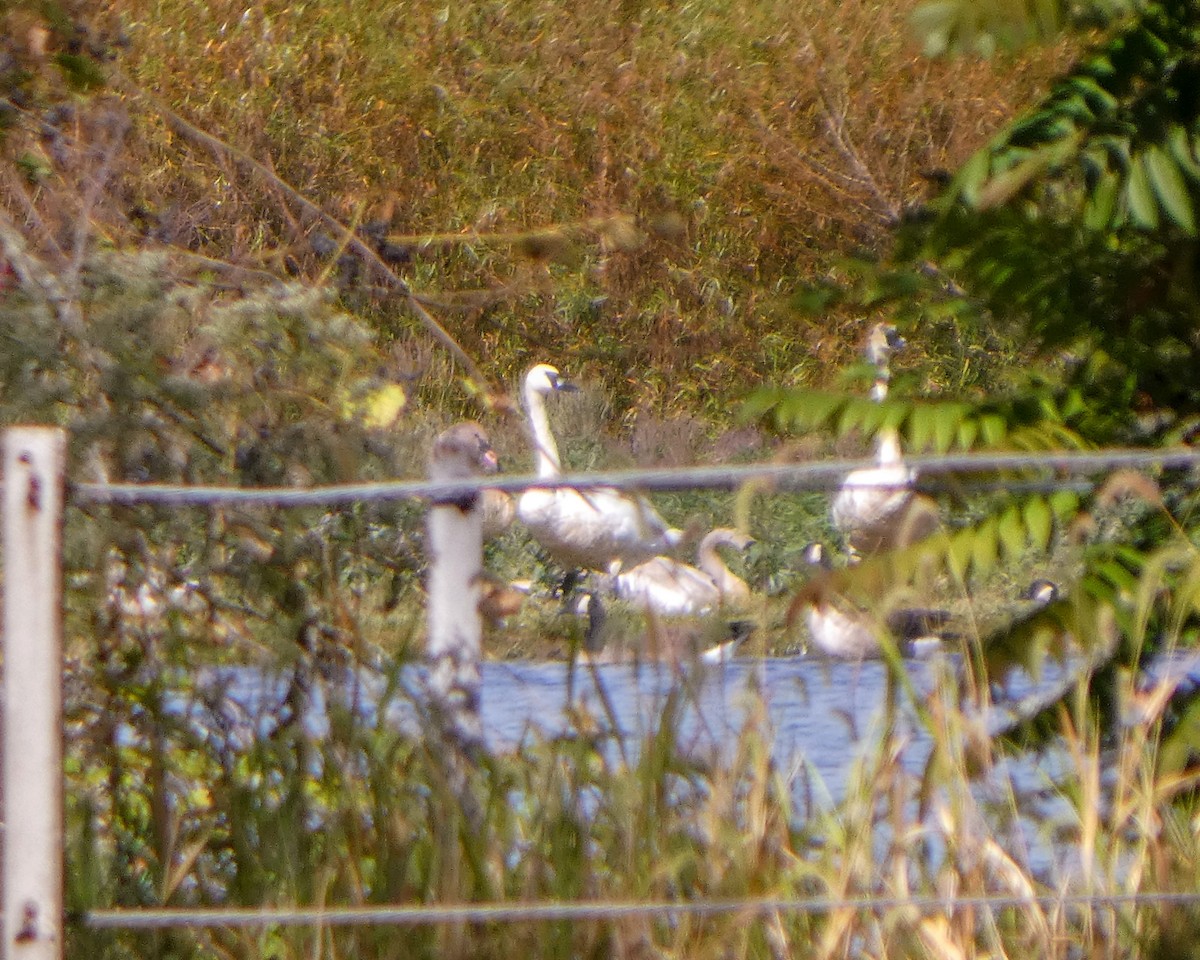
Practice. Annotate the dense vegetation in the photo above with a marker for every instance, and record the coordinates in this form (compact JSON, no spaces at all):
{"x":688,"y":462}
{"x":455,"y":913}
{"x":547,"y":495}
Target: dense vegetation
{"x":283,"y":244}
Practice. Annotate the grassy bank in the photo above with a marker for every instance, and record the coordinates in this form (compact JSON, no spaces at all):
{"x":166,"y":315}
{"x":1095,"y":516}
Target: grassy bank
{"x":634,"y":191}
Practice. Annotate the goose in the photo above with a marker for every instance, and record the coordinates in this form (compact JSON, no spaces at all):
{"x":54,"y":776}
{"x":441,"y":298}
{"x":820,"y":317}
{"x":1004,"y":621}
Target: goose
{"x":674,"y":643}
{"x":670,"y":588}
{"x":844,"y":632}
{"x":875,"y":508}
{"x":455,"y":545}
{"x":839,"y":629}
{"x":583,"y":528}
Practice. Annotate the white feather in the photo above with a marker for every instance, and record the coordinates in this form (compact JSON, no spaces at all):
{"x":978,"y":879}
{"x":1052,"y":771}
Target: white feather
{"x":670,"y":588}
{"x":583,"y":528}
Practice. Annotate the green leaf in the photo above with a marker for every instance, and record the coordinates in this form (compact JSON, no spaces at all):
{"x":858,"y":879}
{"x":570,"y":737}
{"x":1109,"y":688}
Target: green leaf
{"x":984,"y":547}
{"x":920,"y":429}
{"x":1003,"y":187}
{"x":1169,"y":186}
{"x":851,"y":418}
{"x":958,"y":555}
{"x":968,"y":430}
{"x":1183,"y":149}
{"x":1011,"y":532}
{"x":993,"y":428}
{"x":1064,"y":503}
{"x":1098,"y":99}
{"x":1101,"y":205}
{"x":971,"y":177}
{"x":1139,"y":196}
{"x":946,"y":421}
{"x":1039,"y":521}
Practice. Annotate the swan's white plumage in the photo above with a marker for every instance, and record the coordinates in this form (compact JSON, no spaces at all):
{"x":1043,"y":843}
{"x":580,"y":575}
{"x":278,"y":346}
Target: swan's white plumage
{"x":876,"y":508}
{"x":668,"y":587}
{"x":583,"y":528}
{"x":871,"y":502}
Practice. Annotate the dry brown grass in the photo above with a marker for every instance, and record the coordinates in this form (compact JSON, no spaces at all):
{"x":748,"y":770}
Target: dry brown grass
{"x":742,"y":149}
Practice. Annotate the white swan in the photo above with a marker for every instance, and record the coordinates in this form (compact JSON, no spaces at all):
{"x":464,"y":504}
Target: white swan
{"x":670,"y":588}
{"x":583,"y":528}
{"x":839,"y":629}
{"x":876,"y":508}
{"x":868,"y":509}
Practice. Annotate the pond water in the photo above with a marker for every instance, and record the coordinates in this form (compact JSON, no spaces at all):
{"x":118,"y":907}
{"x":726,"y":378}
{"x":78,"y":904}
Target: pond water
{"x":820,"y":716}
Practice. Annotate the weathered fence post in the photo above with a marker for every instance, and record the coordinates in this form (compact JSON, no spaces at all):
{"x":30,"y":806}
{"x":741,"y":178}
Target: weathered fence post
{"x":32,"y":768}
{"x":455,"y":544}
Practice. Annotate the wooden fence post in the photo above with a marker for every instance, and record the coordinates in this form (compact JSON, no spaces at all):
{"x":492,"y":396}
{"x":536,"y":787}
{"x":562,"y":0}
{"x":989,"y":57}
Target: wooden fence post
{"x":453,"y":646}
{"x":32,"y":768}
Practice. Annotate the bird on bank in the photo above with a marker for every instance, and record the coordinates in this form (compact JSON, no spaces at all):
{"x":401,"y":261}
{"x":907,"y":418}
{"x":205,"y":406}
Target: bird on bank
{"x":838,"y":628}
{"x":670,"y":588}
{"x":583,"y":528}
{"x":876,"y":508}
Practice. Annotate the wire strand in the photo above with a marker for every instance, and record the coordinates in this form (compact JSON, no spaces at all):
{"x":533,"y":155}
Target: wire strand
{"x":782,"y":477}
{"x":420,"y":915}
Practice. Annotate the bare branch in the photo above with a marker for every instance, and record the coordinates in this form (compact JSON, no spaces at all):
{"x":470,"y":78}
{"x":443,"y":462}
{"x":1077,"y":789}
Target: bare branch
{"x":352,"y":242}
{"x":91,"y":198}
{"x":35,"y":275}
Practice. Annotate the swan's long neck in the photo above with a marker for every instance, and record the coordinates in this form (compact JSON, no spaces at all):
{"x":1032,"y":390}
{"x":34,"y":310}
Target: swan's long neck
{"x":545,"y":450}
{"x":710,"y":562}
{"x":887,"y":450}
{"x":887,"y":443}
{"x":883,"y":377}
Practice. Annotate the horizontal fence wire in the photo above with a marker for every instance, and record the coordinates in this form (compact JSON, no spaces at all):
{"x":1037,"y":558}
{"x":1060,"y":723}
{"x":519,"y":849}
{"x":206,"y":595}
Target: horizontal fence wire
{"x":1060,"y":471}
{"x":582,"y":910}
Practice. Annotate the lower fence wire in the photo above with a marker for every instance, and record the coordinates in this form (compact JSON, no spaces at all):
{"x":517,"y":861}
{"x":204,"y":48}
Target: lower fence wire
{"x":419,"y":915}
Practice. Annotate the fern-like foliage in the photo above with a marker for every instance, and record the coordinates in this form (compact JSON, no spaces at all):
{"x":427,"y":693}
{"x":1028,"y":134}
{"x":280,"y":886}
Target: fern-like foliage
{"x":1079,"y":221}
{"x":1033,"y":421}
{"x":981,"y":26}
